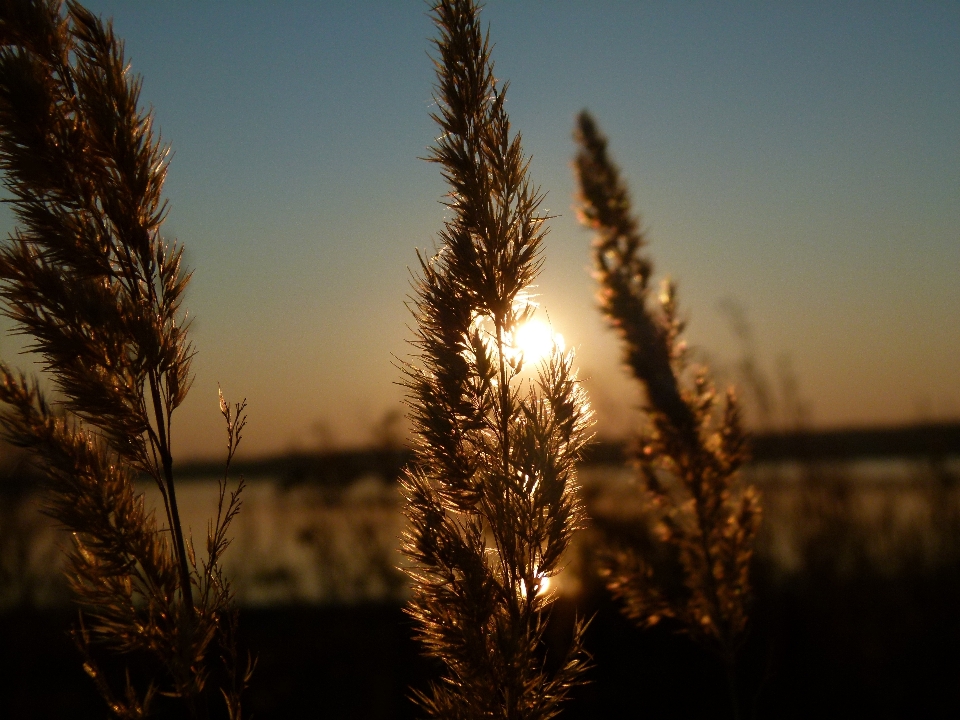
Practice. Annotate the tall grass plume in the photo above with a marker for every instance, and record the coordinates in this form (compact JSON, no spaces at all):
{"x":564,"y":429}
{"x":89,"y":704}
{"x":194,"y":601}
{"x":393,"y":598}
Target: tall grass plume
{"x":689,"y":453}
{"x":491,"y":497}
{"x":89,"y":278}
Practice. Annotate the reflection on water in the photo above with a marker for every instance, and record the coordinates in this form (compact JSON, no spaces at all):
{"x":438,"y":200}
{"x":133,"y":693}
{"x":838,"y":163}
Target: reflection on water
{"x":311,"y":543}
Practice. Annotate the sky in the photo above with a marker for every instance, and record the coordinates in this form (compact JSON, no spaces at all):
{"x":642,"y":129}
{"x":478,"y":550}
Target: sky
{"x":800,"y":161}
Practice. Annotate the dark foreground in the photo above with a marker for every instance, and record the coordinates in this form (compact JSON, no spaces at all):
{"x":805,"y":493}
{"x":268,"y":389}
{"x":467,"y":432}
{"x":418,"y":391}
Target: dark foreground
{"x":878,"y":648}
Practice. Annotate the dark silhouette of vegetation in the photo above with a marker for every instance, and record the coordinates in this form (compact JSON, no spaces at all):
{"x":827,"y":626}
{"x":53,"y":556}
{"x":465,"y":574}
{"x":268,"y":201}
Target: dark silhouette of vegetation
{"x":697,"y":571}
{"x":491,"y":499}
{"x":88,"y":276}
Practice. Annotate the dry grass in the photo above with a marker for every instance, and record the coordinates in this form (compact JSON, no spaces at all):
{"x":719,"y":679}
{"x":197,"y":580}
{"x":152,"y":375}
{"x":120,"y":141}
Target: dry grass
{"x":492,"y":502}
{"x":696,"y":570}
{"x":89,"y":278}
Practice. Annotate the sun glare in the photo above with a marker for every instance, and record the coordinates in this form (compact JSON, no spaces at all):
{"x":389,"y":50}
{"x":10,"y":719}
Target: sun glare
{"x":535,"y":340}
{"x":542,"y":586}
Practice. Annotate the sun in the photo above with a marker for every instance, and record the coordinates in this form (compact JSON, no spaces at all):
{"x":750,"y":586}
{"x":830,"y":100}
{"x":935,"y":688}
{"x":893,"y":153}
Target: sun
{"x":535,"y":340}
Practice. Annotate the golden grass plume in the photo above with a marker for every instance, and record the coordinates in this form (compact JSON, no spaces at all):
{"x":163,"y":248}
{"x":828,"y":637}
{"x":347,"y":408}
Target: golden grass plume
{"x":89,"y":278}
{"x":491,"y":500}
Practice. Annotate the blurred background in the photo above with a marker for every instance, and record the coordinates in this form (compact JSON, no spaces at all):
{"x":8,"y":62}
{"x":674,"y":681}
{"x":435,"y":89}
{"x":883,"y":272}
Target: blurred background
{"x":797,"y":167}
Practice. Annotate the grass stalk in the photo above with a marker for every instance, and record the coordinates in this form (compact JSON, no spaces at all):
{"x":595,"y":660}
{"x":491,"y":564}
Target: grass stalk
{"x":491,"y":498}
{"x":89,"y":277}
{"x":691,"y":451}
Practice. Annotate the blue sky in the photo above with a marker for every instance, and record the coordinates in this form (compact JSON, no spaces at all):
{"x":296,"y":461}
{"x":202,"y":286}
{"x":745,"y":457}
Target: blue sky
{"x":802,"y":159}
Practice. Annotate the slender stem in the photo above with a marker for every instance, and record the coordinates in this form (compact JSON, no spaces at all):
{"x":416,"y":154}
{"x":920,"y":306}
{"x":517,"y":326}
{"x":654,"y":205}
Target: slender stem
{"x":155,"y":473}
{"x":714,"y":595}
{"x":730,"y":664}
{"x":167,"y":459}
{"x":505,"y":437}
{"x":504,"y":402}
{"x":728,"y":652}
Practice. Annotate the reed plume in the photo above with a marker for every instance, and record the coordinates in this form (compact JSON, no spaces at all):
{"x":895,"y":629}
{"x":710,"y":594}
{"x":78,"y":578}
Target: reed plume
{"x":88,"y":276}
{"x":690,"y":454}
{"x":490,"y":499}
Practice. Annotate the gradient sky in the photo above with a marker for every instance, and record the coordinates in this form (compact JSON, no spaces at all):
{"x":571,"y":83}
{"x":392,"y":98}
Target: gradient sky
{"x":800,"y":159}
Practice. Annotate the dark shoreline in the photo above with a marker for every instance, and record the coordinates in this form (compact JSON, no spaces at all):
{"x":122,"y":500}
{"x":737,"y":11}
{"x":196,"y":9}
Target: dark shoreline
{"x":866,"y":646}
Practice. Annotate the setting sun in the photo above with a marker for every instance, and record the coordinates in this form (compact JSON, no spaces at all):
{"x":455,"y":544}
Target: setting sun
{"x":535,"y":340}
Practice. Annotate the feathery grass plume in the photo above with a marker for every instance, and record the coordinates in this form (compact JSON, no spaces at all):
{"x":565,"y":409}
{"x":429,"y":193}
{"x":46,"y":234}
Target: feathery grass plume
{"x":89,"y":277}
{"x":491,"y":500}
{"x":689,"y":457}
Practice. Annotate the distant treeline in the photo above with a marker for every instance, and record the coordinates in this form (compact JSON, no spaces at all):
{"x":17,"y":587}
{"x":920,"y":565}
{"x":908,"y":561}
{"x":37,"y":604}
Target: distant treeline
{"x":926,"y":440}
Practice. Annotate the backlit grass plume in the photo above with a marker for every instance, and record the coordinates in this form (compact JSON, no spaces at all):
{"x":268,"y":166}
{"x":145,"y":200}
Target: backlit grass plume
{"x":491,"y":497}
{"x":89,"y":278}
{"x":691,"y":453}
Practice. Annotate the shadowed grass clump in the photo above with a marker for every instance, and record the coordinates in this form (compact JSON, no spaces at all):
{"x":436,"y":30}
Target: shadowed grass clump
{"x":88,"y":276}
{"x":690,"y":454}
{"x":491,"y":501}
